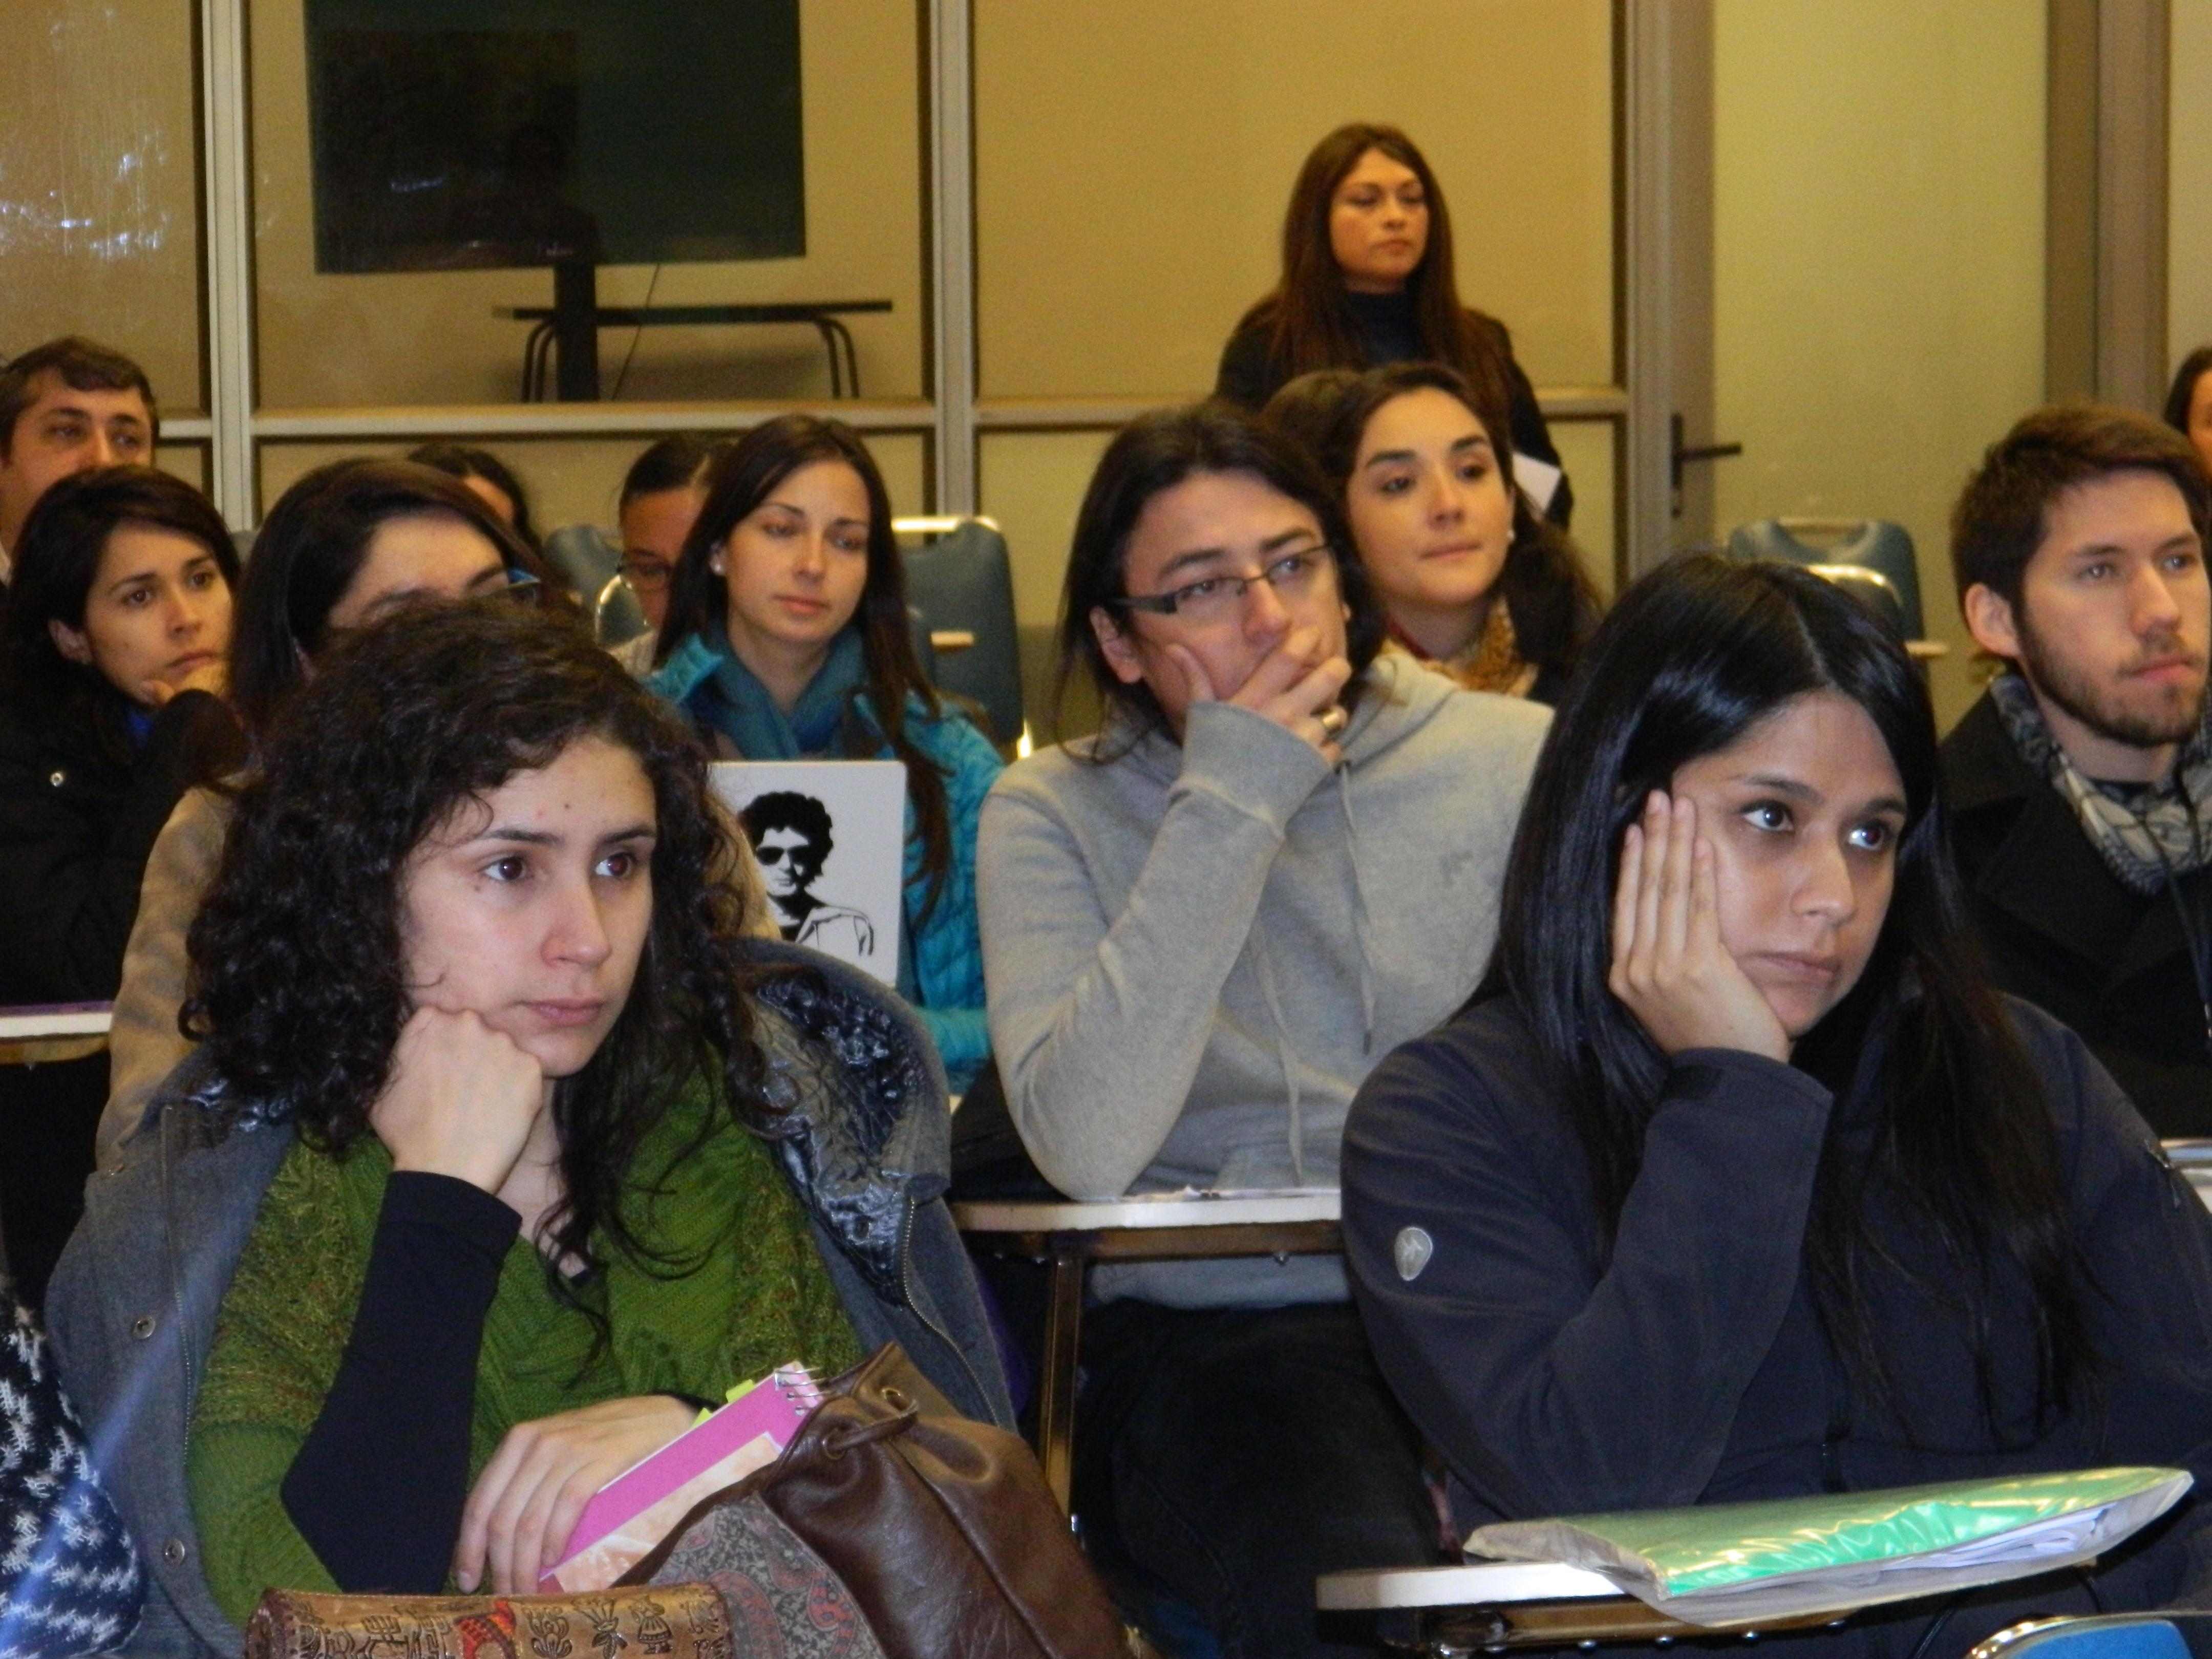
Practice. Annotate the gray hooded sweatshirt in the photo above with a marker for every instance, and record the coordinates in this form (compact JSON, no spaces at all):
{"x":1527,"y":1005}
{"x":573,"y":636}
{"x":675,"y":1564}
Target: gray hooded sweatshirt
{"x":1196,"y":952}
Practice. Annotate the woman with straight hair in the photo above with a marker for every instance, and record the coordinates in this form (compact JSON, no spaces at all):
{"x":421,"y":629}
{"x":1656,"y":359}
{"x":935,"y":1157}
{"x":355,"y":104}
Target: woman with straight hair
{"x":504,"y":1151}
{"x":786,"y":638}
{"x":112,"y":642}
{"x":1278,"y":857}
{"x":2189,"y":401}
{"x":486,"y":478}
{"x":1477,"y":583}
{"x":1369,"y":279}
{"x":343,"y":546}
{"x":1737,"y":1179}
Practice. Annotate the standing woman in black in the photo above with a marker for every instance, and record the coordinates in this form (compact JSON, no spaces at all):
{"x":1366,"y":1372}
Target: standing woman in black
{"x":1368,"y":280}
{"x":112,"y":643}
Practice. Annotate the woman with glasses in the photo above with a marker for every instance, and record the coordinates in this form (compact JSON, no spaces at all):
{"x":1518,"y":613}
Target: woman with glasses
{"x":345,"y":545}
{"x":1476,"y":583}
{"x":661,"y":495}
{"x":787,"y":639}
{"x":1278,"y":858}
{"x":112,"y":638}
{"x":1369,"y":279}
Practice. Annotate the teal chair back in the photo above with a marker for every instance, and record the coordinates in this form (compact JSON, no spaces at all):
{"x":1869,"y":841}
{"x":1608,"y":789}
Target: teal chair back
{"x":1828,"y":546}
{"x":2106,"y":1635}
{"x":961,"y":580}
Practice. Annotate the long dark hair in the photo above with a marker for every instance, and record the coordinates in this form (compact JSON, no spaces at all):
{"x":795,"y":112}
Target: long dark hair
{"x":1547,"y":592}
{"x":1155,"y":452}
{"x":56,"y":558}
{"x":466,"y":461}
{"x":310,"y":548}
{"x":1690,"y":659}
{"x":698,"y":600}
{"x":1308,"y":321}
{"x":297,"y":983}
{"x":2183,"y":392}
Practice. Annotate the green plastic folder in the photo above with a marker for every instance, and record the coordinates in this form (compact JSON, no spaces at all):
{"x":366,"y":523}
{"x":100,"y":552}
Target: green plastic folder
{"x":1731,"y":1563}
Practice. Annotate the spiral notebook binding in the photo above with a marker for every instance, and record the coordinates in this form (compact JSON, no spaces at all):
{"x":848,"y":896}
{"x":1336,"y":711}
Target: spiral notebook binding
{"x":797,"y":1385}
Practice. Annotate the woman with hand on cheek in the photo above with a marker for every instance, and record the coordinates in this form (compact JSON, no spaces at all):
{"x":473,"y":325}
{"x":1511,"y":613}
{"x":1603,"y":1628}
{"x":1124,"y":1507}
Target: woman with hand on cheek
{"x":503,"y":1151}
{"x":1738,"y":1180}
{"x":112,"y":684}
{"x":1278,"y":858}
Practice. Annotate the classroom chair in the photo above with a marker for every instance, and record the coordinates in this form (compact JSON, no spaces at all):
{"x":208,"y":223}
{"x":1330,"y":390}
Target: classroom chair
{"x":1831,"y":546}
{"x":959,"y":577}
{"x":2103,"y":1636}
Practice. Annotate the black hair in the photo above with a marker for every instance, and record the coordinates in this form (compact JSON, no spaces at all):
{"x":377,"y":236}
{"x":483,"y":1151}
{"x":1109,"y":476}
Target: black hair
{"x":309,"y":552}
{"x":1153,"y":453}
{"x":466,"y":461}
{"x":82,"y":365}
{"x":681,"y":460}
{"x":1546,"y":586}
{"x":56,"y":559}
{"x":786,"y":809}
{"x":2002,"y":514}
{"x":1690,"y":659}
{"x":698,"y":600}
{"x":2183,"y":392}
{"x":297,"y":984}
{"x":1304,"y":408}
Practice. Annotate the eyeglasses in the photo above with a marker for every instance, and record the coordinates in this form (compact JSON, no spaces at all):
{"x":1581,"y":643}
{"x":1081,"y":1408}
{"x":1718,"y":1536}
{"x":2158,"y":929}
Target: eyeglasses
{"x":645,"y":574}
{"x":774,"y":855}
{"x":1216,"y":598}
{"x":521,"y":587}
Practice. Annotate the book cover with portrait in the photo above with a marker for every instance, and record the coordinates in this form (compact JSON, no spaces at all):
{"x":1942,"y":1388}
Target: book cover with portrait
{"x":828,"y":837}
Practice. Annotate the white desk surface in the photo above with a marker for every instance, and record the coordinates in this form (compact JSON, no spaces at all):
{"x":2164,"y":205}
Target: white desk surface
{"x":1482,"y":1583}
{"x":1188,"y":1209}
{"x":66,"y":1020}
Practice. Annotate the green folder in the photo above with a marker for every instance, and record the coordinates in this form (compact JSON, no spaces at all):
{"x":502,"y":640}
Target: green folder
{"x":1731,"y":1563}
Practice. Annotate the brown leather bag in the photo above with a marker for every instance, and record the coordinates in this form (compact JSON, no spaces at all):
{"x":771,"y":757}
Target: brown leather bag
{"x":942,"y":1530}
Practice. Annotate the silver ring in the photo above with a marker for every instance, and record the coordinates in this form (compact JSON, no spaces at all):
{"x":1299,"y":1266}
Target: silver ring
{"x":1333,"y":719}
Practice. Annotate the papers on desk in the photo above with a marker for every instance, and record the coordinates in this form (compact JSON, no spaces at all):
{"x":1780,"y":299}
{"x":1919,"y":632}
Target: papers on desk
{"x":1737,"y":1563}
{"x":24,"y":1022}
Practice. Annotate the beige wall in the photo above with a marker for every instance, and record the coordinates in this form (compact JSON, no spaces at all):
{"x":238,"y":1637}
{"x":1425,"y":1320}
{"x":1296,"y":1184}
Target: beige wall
{"x":360,"y":341}
{"x":575,"y":480}
{"x":1878,"y":262}
{"x":99,"y":202}
{"x":2188,"y":180}
{"x":1133,"y":158}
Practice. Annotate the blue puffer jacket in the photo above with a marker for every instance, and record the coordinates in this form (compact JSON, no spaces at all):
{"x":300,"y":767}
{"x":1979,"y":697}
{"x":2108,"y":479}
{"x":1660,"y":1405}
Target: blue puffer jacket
{"x":865,"y":1138}
{"x":941,"y":955}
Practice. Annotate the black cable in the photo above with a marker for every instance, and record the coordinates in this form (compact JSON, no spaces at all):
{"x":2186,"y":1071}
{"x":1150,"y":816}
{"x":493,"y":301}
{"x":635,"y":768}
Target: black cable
{"x":636,"y":334}
{"x":1937,"y":1623}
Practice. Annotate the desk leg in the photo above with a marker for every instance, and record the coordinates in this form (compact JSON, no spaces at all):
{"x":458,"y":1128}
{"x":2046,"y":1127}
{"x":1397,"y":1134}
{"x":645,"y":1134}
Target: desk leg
{"x":1063,"y":1336}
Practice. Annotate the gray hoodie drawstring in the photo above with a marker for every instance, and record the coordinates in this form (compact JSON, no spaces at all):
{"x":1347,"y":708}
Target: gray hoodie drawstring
{"x":1359,"y":921}
{"x":1285,"y":1055}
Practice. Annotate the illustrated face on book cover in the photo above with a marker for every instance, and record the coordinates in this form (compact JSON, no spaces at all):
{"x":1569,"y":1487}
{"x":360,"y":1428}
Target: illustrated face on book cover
{"x":793,"y":836}
{"x":529,"y":908}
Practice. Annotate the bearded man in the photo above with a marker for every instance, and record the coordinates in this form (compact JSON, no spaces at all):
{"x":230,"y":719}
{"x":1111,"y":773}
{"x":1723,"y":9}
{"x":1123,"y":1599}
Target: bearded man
{"x":2079,"y":789}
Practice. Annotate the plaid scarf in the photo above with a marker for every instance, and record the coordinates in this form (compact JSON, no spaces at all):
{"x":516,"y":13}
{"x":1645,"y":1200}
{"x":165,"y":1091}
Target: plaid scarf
{"x":2164,"y":831}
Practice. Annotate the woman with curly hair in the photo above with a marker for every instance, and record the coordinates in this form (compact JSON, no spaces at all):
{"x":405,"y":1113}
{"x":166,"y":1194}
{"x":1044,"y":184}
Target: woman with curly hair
{"x":503,"y":1149}
{"x":343,"y":546}
{"x":1368,"y":279}
{"x":787,"y":639}
{"x":1476,"y":582}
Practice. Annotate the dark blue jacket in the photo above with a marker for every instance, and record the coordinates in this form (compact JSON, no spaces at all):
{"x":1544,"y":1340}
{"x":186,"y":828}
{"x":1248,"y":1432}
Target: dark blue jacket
{"x":865,"y":1144}
{"x":1691,"y":1367}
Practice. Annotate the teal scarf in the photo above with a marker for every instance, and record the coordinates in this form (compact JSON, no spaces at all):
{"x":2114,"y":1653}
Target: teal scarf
{"x":704,"y":675}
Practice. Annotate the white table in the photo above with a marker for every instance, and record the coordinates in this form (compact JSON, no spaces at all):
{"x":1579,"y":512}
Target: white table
{"x":1069,"y":1235}
{"x":1491,"y":1605}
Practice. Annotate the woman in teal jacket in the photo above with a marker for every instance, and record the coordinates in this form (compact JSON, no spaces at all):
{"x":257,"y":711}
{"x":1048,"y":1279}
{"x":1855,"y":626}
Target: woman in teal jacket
{"x":787,"y":639}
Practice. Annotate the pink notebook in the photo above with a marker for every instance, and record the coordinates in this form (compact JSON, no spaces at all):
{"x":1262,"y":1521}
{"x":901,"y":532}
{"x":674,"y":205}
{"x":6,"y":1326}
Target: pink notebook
{"x":641,"y":1506}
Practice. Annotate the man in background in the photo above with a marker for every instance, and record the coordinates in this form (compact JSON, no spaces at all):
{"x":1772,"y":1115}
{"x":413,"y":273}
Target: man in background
{"x":2078,"y":788}
{"x":65,"y":406}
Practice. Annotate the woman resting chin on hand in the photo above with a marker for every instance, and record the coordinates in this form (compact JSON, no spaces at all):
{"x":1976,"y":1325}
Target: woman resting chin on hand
{"x":490,"y":1171}
{"x":1737,"y":1180}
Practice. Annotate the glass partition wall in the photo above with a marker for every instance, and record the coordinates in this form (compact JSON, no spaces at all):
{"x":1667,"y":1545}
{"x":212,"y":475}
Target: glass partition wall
{"x":983,"y":231}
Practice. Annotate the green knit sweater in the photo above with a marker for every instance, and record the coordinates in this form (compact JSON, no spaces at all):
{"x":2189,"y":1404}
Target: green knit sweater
{"x":759,"y":1296}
